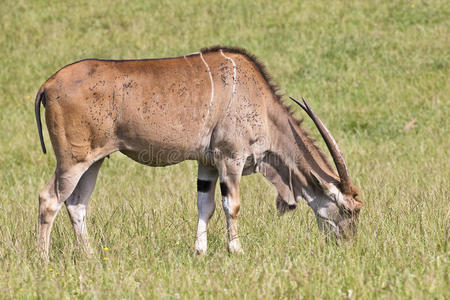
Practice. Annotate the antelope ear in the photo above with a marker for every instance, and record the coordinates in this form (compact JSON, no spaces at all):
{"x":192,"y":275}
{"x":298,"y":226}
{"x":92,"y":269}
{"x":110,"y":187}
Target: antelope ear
{"x":318,"y":181}
{"x":283,"y":206}
{"x":357,"y":204}
{"x":351,"y":204}
{"x":284,"y":191}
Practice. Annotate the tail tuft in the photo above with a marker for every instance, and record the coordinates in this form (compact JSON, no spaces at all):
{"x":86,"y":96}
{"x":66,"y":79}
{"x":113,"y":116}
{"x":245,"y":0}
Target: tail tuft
{"x":37,"y":112}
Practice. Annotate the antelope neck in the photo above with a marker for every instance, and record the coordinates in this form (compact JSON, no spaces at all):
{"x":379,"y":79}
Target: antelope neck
{"x":293,"y":153}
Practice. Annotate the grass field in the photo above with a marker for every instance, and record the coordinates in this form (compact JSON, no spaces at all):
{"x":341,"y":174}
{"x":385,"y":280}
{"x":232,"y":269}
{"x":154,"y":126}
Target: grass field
{"x":368,"y":67}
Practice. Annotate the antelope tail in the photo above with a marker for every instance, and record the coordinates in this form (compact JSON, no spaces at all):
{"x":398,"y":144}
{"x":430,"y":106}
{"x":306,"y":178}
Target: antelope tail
{"x":37,"y":112}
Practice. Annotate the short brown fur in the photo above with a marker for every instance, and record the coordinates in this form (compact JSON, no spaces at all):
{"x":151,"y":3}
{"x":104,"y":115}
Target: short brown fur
{"x":218,"y":106}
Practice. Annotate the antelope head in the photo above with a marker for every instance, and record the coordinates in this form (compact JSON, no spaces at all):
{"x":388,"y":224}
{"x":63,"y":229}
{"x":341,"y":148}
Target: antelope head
{"x":335,"y":204}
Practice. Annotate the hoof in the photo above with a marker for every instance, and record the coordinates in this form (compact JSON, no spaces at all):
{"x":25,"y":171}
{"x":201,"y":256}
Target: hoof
{"x":200,"y":248}
{"x":234,"y":246}
{"x":88,"y":251}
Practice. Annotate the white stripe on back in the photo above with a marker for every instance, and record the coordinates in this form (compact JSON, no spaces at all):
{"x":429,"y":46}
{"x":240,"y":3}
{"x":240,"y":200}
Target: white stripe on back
{"x":234,"y":78}
{"x":212,"y":86}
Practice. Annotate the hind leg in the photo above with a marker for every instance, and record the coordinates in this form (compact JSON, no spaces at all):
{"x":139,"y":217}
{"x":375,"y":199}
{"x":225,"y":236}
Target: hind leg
{"x":60,"y":187}
{"x":78,"y":202}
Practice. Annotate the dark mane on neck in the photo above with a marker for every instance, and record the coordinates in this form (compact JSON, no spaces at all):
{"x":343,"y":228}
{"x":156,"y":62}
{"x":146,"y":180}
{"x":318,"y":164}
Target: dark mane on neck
{"x":273,"y":87}
{"x":259,"y":66}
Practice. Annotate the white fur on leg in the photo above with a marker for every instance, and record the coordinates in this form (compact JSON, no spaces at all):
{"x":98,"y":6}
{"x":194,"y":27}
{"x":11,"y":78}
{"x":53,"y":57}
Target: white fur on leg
{"x":78,"y":216}
{"x":234,"y":246}
{"x":205,"y":206}
{"x":201,"y":244}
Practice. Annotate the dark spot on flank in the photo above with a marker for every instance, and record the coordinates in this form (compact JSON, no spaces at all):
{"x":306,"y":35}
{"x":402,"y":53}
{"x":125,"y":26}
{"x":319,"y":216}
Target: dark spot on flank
{"x":203,"y":185}
{"x":223,"y":189}
{"x":92,"y":70}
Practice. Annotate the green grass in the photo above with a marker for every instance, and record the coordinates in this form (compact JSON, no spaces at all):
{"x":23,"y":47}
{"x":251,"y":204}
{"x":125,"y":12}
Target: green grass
{"x":368,"y":68}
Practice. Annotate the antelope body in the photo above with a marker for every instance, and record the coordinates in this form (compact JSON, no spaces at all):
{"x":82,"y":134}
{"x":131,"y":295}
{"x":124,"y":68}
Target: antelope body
{"x":216,"y":106}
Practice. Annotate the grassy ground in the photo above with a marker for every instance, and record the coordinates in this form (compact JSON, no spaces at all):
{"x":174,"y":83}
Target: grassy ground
{"x":369,"y":68}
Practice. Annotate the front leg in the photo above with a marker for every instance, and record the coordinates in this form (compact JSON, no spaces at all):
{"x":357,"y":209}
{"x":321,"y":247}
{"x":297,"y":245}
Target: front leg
{"x":230,"y":177}
{"x":206,"y":186}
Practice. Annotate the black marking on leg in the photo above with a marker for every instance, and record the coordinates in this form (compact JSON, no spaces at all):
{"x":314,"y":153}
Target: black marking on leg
{"x":224,"y":189}
{"x":203,"y":185}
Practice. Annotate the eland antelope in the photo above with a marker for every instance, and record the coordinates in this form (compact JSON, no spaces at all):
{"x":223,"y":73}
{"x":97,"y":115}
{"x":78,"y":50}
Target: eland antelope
{"x":217,"y":106}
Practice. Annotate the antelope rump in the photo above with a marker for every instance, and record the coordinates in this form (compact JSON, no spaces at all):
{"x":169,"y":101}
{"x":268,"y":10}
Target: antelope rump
{"x":217,"y":106}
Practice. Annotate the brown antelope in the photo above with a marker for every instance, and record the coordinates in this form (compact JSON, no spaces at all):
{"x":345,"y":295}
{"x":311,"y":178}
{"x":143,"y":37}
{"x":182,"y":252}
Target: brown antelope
{"x":217,"y":106}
